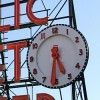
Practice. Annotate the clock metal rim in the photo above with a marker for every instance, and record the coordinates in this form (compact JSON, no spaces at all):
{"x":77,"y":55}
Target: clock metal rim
{"x":85,"y":63}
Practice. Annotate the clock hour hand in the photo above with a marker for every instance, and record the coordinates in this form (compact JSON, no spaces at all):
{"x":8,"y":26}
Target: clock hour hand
{"x":61,"y":68}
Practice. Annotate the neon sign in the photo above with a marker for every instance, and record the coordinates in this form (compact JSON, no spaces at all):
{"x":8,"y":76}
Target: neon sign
{"x":18,"y":46}
{"x":42,"y":96}
{"x":37,"y":21}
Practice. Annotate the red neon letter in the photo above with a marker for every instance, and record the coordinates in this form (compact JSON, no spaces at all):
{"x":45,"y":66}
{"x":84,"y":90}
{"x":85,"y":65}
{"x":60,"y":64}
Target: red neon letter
{"x":4,"y":28}
{"x":37,"y":21}
{"x":44,"y":96}
{"x":1,"y":47}
{"x":3,"y":98}
{"x":16,"y":47}
{"x":1,"y":67}
{"x":22,"y":97}
{"x":17,"y":15}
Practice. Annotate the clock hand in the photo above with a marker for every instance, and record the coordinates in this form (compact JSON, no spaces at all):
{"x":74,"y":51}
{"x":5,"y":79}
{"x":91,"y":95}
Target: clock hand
{"x":61,"y":68}
{"x":53,"y":74}
{"x":56,"y":55}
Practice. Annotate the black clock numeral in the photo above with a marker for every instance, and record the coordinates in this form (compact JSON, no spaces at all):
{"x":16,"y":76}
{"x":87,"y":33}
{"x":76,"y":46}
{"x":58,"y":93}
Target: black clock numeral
{"x":77,"y":39}
{"x":55,"y":30}
{"x":43,"y":36}
{"x":70,"y":76}
{"x":31,"y":59}
{"x":80,"y":52}
{"x":34,"y":71}
{"x":67,"y":31}
{"x":44,"y":79}
{"x":56,"y":81}
{"x":35,"y":46}
{"x":77,"y":66}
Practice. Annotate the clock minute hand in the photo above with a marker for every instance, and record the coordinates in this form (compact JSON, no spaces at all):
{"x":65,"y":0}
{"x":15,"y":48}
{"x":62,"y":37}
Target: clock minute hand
{"x":54,"y":56}
{"x":53,"y":74}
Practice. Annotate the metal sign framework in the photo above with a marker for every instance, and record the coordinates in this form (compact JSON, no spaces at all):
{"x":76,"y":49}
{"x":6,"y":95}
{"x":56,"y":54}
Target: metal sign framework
{"x":78,"y":88}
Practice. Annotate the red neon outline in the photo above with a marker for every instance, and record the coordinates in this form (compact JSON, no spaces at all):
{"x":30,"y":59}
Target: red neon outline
{"x":3,"y":98}
{"x":16,"y":47}
{"x":4,"y":28}
{"x":1,"y":67}
{"x":37,"y":21}
{"x":44,"y":96}
{"x":21,"y":97}
{"x":17,"y":14}
{"x":1,"y":47}
{"x":1,"y":81}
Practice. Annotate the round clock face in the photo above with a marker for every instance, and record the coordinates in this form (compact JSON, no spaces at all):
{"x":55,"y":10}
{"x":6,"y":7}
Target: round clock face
{"x":57,"y":56}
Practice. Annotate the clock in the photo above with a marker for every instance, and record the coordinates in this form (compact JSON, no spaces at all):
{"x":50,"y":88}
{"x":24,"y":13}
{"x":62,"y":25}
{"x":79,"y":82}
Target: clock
{"x":57,"y":56}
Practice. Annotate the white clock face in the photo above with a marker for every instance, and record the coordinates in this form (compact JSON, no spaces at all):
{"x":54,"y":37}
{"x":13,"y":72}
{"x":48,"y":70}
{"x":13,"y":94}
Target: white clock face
{"x":57,"y":56}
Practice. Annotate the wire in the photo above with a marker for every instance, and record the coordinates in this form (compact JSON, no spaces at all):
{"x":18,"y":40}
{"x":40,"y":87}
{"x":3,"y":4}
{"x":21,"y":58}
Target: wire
{"x":60,"y":94}
{"x":26,"y":88}
{"x":32,"y":90}
{"x":12,"y":92}
{"x":59,"y":10}
{"x":30,"y":31}
{"x":55,"y":7}
{"x":43,"y":4}
{"x":51,"y":14}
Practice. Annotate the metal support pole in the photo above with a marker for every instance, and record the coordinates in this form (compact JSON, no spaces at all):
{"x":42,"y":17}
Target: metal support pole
{"x":70,"y":12}
{"x":72,"y":22}
{"x":74,"y":17}
{"x":73,"y":91}
{"x":84,"y":88}
{"x":3,"y":62}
